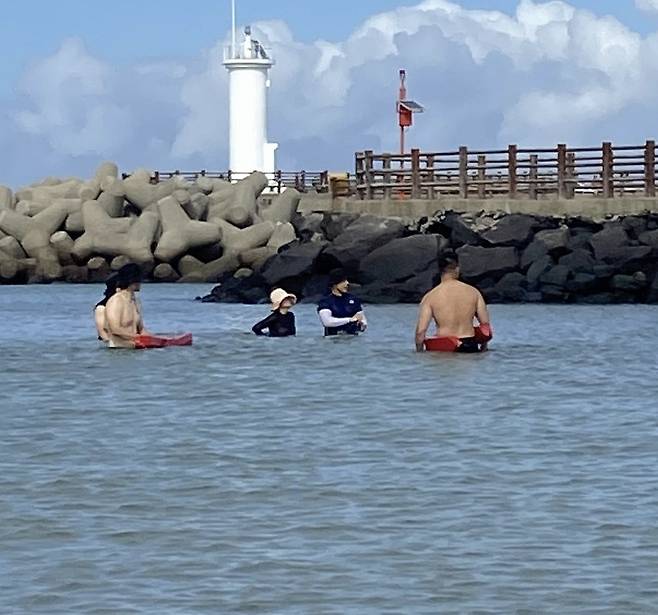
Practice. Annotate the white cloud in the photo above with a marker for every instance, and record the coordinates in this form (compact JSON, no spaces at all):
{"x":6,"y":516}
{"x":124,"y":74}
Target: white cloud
{"x":549,"y":73}
{"x":647,"y":5}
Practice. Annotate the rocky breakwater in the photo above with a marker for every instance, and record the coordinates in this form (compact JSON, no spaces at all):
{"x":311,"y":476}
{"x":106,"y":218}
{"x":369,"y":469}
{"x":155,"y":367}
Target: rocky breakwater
{"x":77,"y":230}
{"x":511,"y":258}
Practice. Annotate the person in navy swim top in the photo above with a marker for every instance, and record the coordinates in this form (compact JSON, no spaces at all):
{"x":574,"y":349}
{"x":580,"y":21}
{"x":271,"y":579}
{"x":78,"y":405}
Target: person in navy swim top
{"x":340,"y":312}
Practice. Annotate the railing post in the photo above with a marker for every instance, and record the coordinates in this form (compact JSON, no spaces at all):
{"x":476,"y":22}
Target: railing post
{"x":303,"y":181}
{"x":463,"y":172}
{"x":571,"y":175}
{"x":358,"y":172}
{"x":482,"y":176}
{"x":431,"y":190}
{"x":532,"y":176}
{"x":229,"y":174}
{"x":203,"y":172}
{"x":157,"y":177}
{"x":650,"y":168}
{"x":415,"y":174}
{"x":324,"y":181}
{"x":607,"y":170}
{"x":386,"y":165}
{"x":512,"y":179}
{"x":561,"y":171}
{"x":367,"y":164}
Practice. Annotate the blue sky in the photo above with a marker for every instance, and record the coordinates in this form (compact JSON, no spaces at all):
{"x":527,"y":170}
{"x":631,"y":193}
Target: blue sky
{"x":115,"y":40}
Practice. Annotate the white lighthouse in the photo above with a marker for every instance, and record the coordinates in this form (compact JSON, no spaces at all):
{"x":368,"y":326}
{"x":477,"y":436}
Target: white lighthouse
{"x":248,"y":65}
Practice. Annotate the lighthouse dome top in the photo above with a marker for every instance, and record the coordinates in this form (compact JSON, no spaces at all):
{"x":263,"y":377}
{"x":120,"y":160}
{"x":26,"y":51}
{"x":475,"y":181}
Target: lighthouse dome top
{"x":248,"y":50}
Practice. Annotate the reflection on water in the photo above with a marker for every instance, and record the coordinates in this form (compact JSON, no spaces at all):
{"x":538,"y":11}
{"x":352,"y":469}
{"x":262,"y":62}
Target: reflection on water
{"x":250,"y":475}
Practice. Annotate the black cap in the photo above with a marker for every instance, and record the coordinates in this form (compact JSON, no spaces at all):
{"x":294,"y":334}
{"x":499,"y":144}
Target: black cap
{"x":336,"y":276}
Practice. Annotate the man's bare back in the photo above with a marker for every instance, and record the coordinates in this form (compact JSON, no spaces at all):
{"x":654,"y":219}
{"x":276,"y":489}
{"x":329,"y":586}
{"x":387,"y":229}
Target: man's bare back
{"x":453,"y":305}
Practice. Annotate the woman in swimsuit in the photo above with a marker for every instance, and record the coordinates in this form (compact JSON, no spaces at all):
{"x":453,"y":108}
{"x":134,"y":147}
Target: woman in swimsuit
{"x":281,"y":322}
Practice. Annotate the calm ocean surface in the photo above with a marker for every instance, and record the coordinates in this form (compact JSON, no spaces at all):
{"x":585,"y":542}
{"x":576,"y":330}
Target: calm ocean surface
{"x":311,"y":476}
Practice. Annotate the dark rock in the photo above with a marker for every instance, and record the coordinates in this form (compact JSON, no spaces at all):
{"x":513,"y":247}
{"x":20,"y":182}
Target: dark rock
{"x":580,"y":241}
{"x":334,"y":225}
{"x":629,"y":283}
{"x":652,"y":297}
{"x":415,"y":288}
{"x":453,"y":226}
{"x":607,"y":242}
{"x":293,"y":262}
{"x":635,"y":225}
{"x":315,"y":288}
{"x":583,"y":283}
{"x":514,"y":230}
{"x":627,"y":258}
{"x":512,"y":288}
{"x":476,"y":262}
{"x":402,"y":258}
{"x":308,"y":226}
{"x":603,"y":272}
{"x":578,"y":261}
{"x":253,"y":289}
{"x":595,"y":299}
{"x":536,"y":270}
{"x":360,"y":238}
{"x":555,"y":276}
{"x":537,"y":250}
{"x":554,"y":294}
{"x":555,"y":240}
{"x":649,"y":238}
{"x":75,"y":274}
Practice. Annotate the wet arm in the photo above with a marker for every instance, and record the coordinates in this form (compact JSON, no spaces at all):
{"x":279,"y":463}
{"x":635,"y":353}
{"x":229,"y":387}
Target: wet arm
{"x":482,"y":313}
{"x":259,"y":327}
{"x":424,"y":319}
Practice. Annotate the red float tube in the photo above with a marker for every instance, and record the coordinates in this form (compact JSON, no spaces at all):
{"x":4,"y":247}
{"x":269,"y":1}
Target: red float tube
{"x":145,"y":341}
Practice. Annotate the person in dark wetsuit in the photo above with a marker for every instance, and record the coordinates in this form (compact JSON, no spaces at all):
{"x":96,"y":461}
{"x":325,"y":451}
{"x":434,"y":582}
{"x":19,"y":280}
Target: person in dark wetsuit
{"x":340,"y":312}
{"x":281,"y":322}
{"x":99,"y":309}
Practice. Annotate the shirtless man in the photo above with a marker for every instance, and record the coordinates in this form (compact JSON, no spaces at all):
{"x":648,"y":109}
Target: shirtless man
{"x":453,"y":305}
{"x":123,"y":312}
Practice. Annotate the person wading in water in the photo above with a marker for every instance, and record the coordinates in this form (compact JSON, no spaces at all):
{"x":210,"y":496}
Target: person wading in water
{"x":123,"y":312}
{"x":281,"y":322}
{"x":453,"y":305}
{"x":340,"y":312}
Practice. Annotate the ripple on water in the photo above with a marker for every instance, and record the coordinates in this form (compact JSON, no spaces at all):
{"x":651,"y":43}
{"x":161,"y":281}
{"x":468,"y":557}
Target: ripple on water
{"x":325,"y":476}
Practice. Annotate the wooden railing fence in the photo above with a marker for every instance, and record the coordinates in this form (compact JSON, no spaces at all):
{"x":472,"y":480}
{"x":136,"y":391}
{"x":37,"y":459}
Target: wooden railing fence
{"x":607,"y":171}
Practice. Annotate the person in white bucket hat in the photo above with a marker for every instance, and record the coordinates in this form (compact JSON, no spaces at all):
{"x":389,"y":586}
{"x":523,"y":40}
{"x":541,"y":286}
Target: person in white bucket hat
{"x":281,"y":322}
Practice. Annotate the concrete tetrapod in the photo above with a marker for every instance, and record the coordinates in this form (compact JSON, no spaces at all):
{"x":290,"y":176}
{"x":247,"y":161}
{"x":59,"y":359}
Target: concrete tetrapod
{"x":34,"y":236}
{"x":6,"y":198}
{"x":283,"y":207}
{"x":63,"y":245}
{"x":142,"y":193}
{"x":235,"y":241}
{"x":179,"y":233}
{"x":245,"y":199}
{"x":11,"y":247}
{"x":240,"y":240}
{"x":220,"y":201}
{"x":116,"y":236}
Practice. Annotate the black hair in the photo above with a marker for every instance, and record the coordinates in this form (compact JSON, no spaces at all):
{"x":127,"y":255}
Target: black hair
{"x":336,"y":276}
{"x":128,"y":274}
{"x":448,"y":260}
{"x":110,"y":289}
